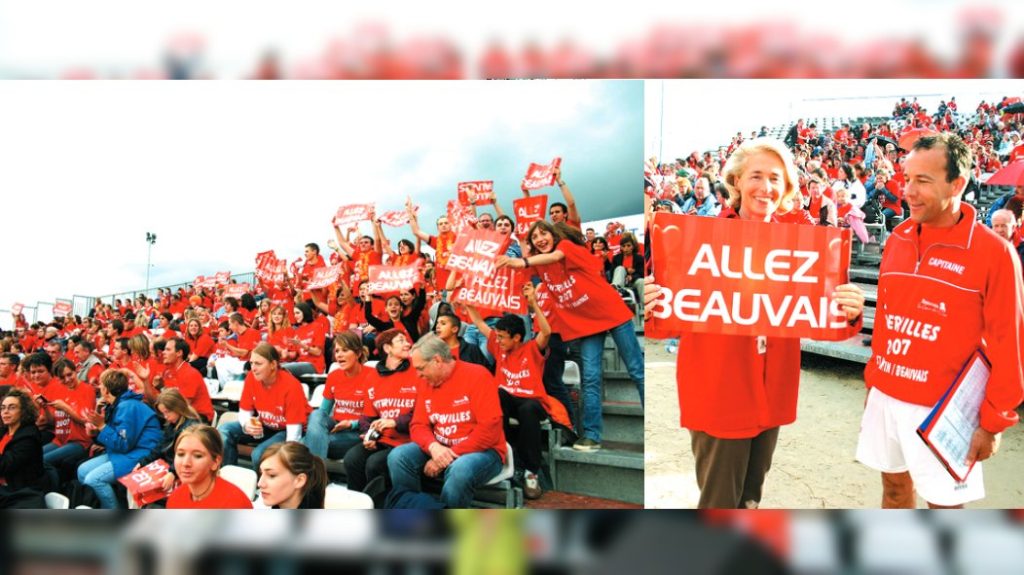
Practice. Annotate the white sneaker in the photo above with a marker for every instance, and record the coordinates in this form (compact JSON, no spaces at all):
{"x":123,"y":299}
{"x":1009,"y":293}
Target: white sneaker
{"x":531,"y":485}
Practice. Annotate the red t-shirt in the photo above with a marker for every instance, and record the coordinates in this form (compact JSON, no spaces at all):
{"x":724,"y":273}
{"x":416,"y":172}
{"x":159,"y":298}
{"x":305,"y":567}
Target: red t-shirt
{"x":391,"y":397}
{"x":248,"y":340}
{"x":348,"y":393}
{"x":81,"y":398}
{"x":361,"y":262}
{"x":520,"y":373}
{"x":281,"y":404}
{"x":584,"y":302}
{"x":225,"y":495}
{"x":281,"y":338}
{"x":201,"y":346}
{"x":313,"y":334}
{"x":463,"y":413}
{"x":442,"y":245}
{"x":190,"y":382}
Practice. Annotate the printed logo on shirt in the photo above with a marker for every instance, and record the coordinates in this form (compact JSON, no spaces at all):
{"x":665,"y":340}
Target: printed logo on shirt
{"x":942,"y":264}
{"x":935,"y":307}
{"x":407,"y":390}
{"x":464,"y":400}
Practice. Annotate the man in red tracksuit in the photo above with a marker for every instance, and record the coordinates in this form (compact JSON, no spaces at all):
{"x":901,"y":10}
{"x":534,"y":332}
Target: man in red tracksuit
{"x":456,"y":427}
{"x":947,"y":286}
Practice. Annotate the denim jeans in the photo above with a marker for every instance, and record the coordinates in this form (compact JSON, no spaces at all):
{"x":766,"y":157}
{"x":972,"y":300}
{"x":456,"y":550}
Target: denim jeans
{"x":98,"y":473}
{"x":233,"y":435}
{"x":56,"y":456}
{"x":591,"y":352}
{"x":461,"y":478}
{"x":324,"y":444}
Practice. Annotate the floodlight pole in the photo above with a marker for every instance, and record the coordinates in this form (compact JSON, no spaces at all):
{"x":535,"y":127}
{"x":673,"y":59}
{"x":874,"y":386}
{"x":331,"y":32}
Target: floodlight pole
{"x":150,"y":239}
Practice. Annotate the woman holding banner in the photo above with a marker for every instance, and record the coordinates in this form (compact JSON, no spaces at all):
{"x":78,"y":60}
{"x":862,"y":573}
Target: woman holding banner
{"x":584,"y":307}
{"x":736,"y":391}
{"x":400,"y":316}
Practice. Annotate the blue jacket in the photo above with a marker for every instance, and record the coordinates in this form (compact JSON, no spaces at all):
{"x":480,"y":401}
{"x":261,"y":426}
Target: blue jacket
{"x":132,"y":430}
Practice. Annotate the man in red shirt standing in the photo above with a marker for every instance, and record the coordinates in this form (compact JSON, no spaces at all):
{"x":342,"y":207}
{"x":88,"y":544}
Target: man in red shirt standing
{"x":948,"y":286}
{"x":187,"y":379}
{"x":9,"y":371}
{"x":456,"y":427}
{"x":441,"y":243}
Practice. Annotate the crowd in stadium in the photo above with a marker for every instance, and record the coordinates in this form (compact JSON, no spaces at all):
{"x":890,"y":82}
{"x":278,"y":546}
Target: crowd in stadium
{"x":420,"y":385}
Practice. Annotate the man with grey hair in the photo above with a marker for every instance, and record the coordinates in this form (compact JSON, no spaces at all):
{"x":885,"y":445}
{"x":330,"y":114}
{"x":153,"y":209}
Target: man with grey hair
{"x":456,"y":428}
{"x":1005,"y":225}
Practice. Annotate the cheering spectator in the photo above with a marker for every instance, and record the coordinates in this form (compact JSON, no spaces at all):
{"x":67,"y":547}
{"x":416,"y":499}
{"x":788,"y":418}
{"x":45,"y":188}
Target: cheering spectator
{"x":387,"y":413}
{"x":333,"y":428}
{"x":291,"y":477}
{"x":278,"y":400}
{"x":198,"y":455}
{"x":599,"y":247}
{"x":129,"y":430}
{"x":21,"y":449}
{"x":456,"y":429}
{"x":586,"y":308}
{"x":441,"y":243}
{"x":628,"y":266}
{"x":280,"y":334}
{"x":367,"y":252}
{"x":398,"y":318}
{"x":407,"y":252}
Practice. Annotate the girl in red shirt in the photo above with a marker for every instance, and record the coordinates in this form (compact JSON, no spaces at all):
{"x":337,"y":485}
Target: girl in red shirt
{"x":309,"y":338}
{"x":200,"y":344}
{"x":198,"y":454}
{"x":333,"y":427}
{"x":280,"y":334}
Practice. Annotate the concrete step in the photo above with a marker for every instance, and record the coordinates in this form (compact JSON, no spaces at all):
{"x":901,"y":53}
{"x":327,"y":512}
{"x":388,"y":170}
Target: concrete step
{"x":614,"y":472}
{"x":618,"y":387}
{"x":623,"y":422}
{"x":851,"y":349}
{"x":864,"y":274}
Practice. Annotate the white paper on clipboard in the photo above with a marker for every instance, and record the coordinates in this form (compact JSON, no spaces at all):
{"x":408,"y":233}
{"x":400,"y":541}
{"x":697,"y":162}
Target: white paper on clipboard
{"x":948,"y":429}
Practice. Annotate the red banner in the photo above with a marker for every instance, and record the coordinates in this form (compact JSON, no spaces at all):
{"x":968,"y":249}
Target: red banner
{"x":198,"y":282}
{"x":17,"y":308}
{"x":222,"y":277}
{"x":396,"y":218}
{"x":460,"y":216}
{"x":474,"y":252}
{"x":271,"y":270}
{"x":236,"y":290}
{"x":541,"y":175}
{"x":145,"y":484}
{"x":324,"y":277}
{"x":502,"y":291}
{"x":352,"y":214}
{"x":736,"y":277}
{"x":529,"y":210}
{"x":389,"y":279}
{"x":61,"y":309}
{"x":476,"y":193}
{"x":208,"y":283}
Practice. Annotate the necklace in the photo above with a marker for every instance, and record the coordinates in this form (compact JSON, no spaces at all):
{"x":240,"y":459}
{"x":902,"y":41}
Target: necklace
{"x":203,"y":495}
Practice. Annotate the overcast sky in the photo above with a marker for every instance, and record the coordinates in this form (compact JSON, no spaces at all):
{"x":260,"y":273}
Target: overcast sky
{"x":221,"y":171}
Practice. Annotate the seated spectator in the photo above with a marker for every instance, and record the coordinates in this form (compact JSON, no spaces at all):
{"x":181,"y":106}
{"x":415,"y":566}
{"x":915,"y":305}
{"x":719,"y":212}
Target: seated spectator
{"x":397,"y":316}
{"x":704,"y":201}
{"x":599,"y":247}
{"x":291,"y":477}
{"x":21,"y":449}
{"x":70,"y":402}
{"x":447,"y":328}
{"x":178,"y":416}
{"x":89,"y":365}
{"x":39,"y":381}
{"x":180,"y":374}
{"x":280,"y":334}
{"x":822,"y":210}
{"x":851,"y":216}
{"x":628,"y":266}
{"x":519,"y":375}
{"x":309,"y":338}
{"x":387,"y":413}
{"x":9,"y":376}
{"x":456,"y":428}
{"x":279,"y":403}
{"x":333,"y":428}
{"x":198,"y":456}
{"x":127,"y":428}
{"x":239,"y":345}
{"x":200,"y":344}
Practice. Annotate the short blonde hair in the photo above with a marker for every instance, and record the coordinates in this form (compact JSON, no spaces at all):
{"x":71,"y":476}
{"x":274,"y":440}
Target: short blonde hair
{"x":737,"y":162}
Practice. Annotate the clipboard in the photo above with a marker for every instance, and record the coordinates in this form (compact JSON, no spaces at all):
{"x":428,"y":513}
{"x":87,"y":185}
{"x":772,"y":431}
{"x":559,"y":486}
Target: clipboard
{"x":948,"y":429}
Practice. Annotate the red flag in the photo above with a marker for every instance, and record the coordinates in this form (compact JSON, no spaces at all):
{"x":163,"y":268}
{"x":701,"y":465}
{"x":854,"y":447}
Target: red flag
{"x":352,"y":214}
{"x":478,"y":193}
{"x":475,"y":250}
{"x":502,"y":291}
{"x":541,"y":175}
{"x":388,"y":279}
{"x":528,"y":210}
{"x":324,"y":277}
{"x":736,"y":277}
{"x":145,"y":483}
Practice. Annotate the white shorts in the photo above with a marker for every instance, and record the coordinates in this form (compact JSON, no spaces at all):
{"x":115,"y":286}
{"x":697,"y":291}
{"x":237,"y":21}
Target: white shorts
{"x":889,"y":443}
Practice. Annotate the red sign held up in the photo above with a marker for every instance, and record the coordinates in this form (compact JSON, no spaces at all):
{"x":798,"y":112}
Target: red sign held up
{"x":396,"y":218}
{"x":61,"y":309}
{"x":388,"y":279}
{"x":479,"y":193}
{"x":352,"y":214}
{"x":529,"y":210}
{"x":738,"y":277}
{"x":474,"y":252}
{"x":324,"y":277}
{"x":145,"y":484}
{"x":541,"y":175}
{"x":17,"y":308}
{"x":271,"y":270}
{"x":503,"y":291}
{"x":460,"y":216}
{"x":236,"y":290}
{"x":222,"y":277}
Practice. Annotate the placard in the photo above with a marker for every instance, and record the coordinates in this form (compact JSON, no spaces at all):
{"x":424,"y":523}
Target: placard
{"x":17,"y":308}
{"x":737,"y":277}
{"x":236,"y":290}
{"x":541,"y":175}
{"x":61,"y":309}
{"x":145,"y":484}
{"x":389,"y":279}
{"x":460,"y":217}
{"x":529,"y":210}
{"x":352,"y":214}
{"x":396,"y":218}
{"x":480,"y":193}
{"x":475,"y":250}
{"x":324,"y":277}
{"x":503,"y":291}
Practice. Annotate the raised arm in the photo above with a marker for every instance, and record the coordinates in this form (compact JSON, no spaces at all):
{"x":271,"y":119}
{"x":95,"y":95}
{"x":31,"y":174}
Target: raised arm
{"x":478,"y":321}
{"x":574,"y":214}
{"x":414,"y":222}
{"x":544,"y":333}
{"x":381,"y":243}
{"x":343,"y":241}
